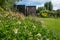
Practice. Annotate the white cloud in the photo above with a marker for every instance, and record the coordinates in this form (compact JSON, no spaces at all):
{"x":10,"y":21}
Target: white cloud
{"x":39,"y":3}
{"x":56,"y":4}
{"x":34,"y":0}
{"x":39,"y":6}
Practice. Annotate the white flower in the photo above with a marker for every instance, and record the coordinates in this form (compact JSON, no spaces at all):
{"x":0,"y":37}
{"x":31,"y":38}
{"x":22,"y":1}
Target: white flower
{"x":0,"y":20}
{"x":38,"y":39}
{"x":25,"y":27}
{"x":14,"y":18}
{"x":15,"y":31}
{"x":6,"y":14}
{"x":30,"y":33}
{"x":0,"y":15}
{"x":47,"y":39}
{"x":34,"y":26}
{"x":39,"y":34}
{"x":18,"y":22}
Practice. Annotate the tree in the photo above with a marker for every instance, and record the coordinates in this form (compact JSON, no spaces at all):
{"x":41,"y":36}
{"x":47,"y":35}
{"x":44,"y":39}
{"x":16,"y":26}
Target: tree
{"x":48,"y":6}
{"x":6,"y":4}
{"x":40,"y":9}
{"x":2,"y":2}
{"x":58,"y":12}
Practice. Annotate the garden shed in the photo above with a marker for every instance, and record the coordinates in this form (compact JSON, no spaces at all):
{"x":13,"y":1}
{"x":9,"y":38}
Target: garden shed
{"x":31,"y":10}
{"x":27,"y":10}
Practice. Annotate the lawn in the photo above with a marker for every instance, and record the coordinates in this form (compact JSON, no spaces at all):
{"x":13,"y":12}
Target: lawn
{"x":52,"y":23}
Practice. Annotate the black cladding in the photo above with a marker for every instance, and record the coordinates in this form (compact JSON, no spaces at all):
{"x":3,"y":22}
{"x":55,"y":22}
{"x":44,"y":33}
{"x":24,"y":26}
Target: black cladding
{"x":27,"y":10}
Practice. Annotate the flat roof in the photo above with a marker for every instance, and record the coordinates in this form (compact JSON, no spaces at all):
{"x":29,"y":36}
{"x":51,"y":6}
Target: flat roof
{"x":30,"y":6}
{"x":27,"y":5}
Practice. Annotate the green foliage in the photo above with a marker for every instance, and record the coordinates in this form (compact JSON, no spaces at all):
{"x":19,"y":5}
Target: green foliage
{"x":40,"y":9}
{"x":7,"y":4}
{"x":54,"y":24}
{"x":2,"y":2}
{"x":58,"y":13}
{"x":52,"y":14}
{"x":47,"y":13}
{"x":44,"y":13}
{"x":48,"y":6}
{"x":3,"y":12}
{"x":12,"y":28}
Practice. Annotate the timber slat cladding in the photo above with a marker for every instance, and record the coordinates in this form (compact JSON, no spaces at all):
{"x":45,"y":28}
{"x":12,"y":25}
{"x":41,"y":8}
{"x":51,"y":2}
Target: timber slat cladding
{"x":31,"y":10}
{"x":21,"y":8}
{"x":27,"y":10}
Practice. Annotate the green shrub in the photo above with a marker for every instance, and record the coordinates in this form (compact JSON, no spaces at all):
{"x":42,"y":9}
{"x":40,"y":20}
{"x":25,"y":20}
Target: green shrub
{"x":12,"y":28}
{"x":44,"y":13}
{"x":26,"y":29}
{"x":58,"y":13}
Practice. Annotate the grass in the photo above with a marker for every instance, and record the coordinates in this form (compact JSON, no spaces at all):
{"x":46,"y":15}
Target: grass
{"x":52,"y":23}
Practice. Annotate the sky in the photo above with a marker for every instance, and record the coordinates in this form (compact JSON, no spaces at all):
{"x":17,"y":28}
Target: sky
{"x":39,"y":3}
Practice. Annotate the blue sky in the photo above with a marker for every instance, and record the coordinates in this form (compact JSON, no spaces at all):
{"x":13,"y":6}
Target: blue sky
{"x":40,"y":3}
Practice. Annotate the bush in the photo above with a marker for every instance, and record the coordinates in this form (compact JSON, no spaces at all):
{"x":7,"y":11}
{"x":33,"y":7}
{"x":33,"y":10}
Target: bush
{"x":58,"y":13}
{"x":12,"y":28}
{"x":44,"y":13}
{"x":52,"y":14}
{"x":23,"y":30}
{"x":47,"y":13}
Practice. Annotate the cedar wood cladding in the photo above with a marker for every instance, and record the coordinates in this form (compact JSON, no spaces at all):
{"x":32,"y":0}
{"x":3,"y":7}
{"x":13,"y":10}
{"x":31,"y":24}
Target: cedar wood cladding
{"x":31,"y":10}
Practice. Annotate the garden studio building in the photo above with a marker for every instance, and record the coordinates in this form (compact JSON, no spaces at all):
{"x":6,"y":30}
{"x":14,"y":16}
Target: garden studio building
{"x":26,"y":10}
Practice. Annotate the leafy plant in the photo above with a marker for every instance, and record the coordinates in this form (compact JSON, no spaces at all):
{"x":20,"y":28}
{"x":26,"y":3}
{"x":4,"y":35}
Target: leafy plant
{"x":13,"y":28}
